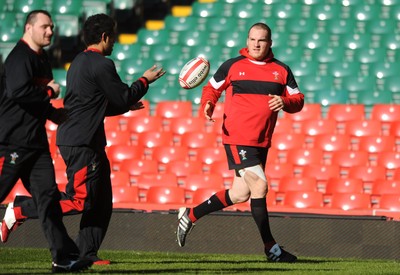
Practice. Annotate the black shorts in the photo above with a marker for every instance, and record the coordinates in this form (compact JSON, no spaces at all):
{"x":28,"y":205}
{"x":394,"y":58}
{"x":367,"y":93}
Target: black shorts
{"x":240,"y":157}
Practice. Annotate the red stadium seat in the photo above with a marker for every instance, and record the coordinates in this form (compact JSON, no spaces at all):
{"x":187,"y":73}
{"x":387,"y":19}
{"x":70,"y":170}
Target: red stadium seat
{"x":112,"y":123}
{"x":390,"y":202}
{"x":303,"y":199}
{"x":322,"y":173}
{"x":382,"y":186}
{"x":153,"y":139}
{"x":287,"y":141}
{"x":360,"y":128}
{"x":194,"y":140}
{"x":304,"y":157}
{"x":273,"y":156}
{"x":183,"y":168}
{"x":396,"y":174}
{"x":146,"y":181}
{"x":313,"y":127}
{"x":208,"y":155}
{"x":117,"y":137}
{"x":196,"y":181}
{"x":120,"y":178}
{"x":385,"y":112}
{"x":346,"y":112}
{"x":181,"y":125}
{"x":332,"y":142}
{"x":125,"y":194}
{"x":172,"y":195}
{"x":347,"y":158}
{"x":140,"y":124}
{"x":284,"y":125}
{"x":221,"y":168}
{"x":342,"y":185}
{"x":377,"y":144}
{"x":279,"y":170}
{"x":368,"y":174}
{"x":171,"y":109}
{"x":165,"y":154}
{"x":394,"y":129}
{"x":297,"y":184}
{"x":137,"y":167}
{"x":350,"y":201}
{"x":309,"y":111}
{"x":118,"y":153}
{"x":215,"y":126}
{"x":276,"y":171}
{"x":389,"y":160}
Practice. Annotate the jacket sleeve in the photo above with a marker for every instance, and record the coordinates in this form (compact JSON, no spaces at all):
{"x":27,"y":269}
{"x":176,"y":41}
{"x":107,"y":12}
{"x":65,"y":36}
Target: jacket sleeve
{"x":21,"y":86}
{"x":215,"y":86}
{"x":293,"y":103}
{"x":293,"y":99}
{"x":119,"y":95}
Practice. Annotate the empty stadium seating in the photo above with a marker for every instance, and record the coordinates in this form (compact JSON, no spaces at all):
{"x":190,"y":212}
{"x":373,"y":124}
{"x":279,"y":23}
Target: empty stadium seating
{"x":345,"y":59}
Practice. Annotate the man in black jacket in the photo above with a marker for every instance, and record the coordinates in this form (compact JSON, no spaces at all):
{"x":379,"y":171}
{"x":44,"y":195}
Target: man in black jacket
{"x":25,"y":106}
{"x":94,"y":91}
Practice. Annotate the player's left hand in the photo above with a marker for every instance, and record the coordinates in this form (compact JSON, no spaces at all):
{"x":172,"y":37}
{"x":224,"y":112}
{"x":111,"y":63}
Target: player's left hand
{"x":275,"y":103}
{"x":137,"y":106}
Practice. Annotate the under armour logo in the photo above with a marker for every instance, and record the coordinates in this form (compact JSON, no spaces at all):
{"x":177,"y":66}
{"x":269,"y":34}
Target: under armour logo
{"x":241,"y":73}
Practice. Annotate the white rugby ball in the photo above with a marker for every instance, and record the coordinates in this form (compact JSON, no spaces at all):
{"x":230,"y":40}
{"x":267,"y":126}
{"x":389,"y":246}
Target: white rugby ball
{"x":194,"y":72}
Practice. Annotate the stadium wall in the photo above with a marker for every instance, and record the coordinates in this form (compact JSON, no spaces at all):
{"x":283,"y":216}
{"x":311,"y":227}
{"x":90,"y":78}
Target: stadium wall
{"x":232,"y":233}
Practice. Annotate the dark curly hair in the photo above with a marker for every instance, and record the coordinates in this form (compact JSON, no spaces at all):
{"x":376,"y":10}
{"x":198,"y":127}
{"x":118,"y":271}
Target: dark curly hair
{"x":95,"y":26}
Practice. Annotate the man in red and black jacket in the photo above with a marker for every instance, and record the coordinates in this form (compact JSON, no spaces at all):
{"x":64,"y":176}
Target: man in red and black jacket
{"x":94,"y":91}
{"x":27,"y":87}
{"x":257,"y":86}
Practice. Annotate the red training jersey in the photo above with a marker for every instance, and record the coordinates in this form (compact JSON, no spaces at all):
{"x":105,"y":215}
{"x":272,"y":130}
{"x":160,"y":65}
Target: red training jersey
{"x":247,"y":83}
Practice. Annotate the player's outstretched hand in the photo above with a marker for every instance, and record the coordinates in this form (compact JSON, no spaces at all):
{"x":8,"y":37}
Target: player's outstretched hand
{"x":154,"y":73}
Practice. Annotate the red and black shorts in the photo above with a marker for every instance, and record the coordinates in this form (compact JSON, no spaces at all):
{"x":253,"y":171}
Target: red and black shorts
{"x":240,"y":157}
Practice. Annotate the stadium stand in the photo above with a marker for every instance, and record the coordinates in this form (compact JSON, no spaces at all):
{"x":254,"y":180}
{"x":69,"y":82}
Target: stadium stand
{"x":345,"y":59}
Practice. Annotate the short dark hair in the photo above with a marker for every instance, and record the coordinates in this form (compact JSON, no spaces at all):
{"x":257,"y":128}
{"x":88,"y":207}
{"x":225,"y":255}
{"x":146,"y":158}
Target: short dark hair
{"x":31,"y":16}
{"x":262,"y":26}
{"x":95,"y":26}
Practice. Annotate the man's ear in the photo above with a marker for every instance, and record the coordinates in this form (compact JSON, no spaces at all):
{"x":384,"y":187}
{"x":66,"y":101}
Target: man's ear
{"x":104,"y":37}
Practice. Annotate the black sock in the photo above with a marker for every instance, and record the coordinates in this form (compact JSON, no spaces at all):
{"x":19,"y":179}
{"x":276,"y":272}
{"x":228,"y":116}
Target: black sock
{"x":260,"y":215}
{"x":216,"y":202}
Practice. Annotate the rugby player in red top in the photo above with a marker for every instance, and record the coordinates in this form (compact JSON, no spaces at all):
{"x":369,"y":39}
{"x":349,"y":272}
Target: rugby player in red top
{"x":257,"y":86}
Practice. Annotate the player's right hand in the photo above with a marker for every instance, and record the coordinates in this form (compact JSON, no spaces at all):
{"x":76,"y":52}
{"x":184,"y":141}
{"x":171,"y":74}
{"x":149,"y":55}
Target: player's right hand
{"x":208,"y":111}
{"x":153,"y":73}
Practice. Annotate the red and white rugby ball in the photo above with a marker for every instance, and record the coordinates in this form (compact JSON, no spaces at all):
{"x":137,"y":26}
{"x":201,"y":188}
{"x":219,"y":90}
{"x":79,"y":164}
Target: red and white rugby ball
{"x":194,"y":72}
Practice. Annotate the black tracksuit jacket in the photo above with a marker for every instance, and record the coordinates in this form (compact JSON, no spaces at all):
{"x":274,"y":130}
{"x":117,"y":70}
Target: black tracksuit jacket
{"x":24,"y":108}
{"x":94,"y":91}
